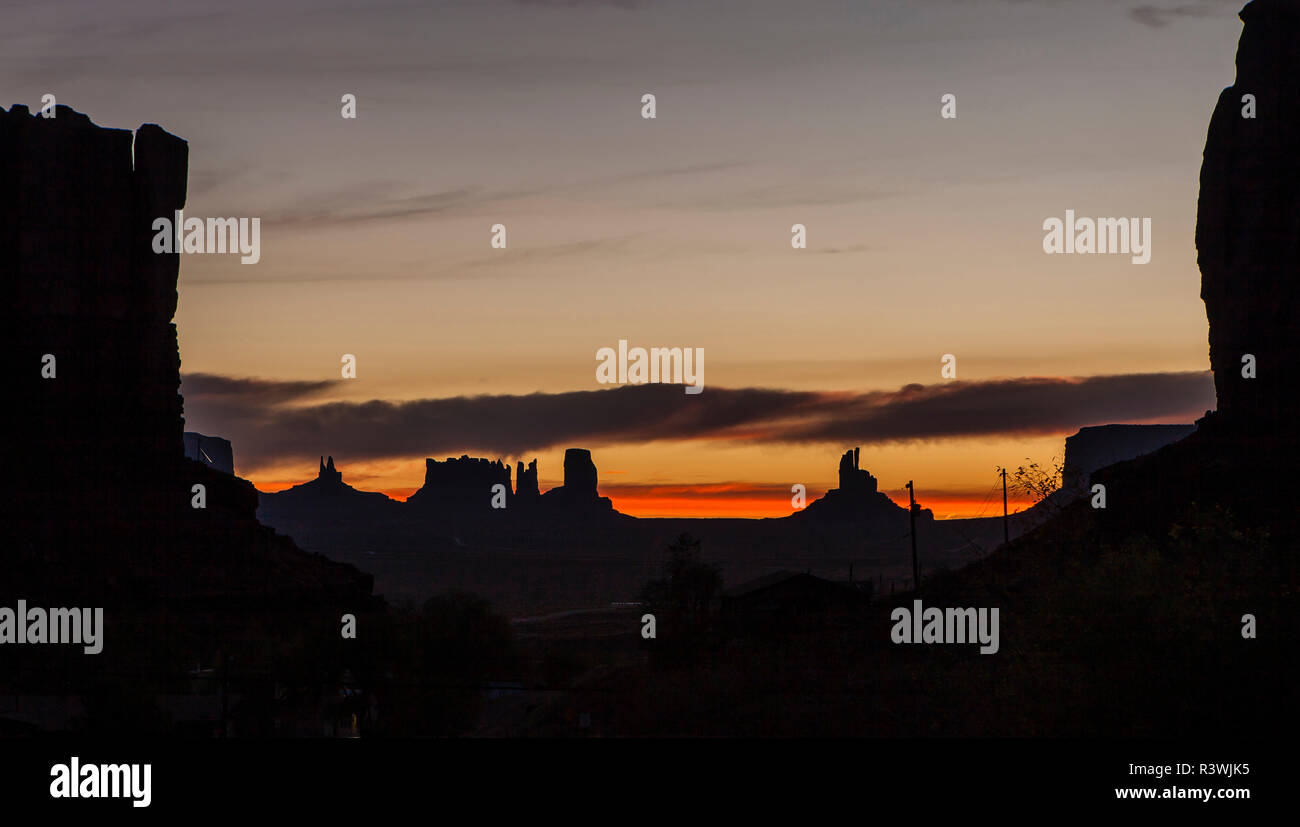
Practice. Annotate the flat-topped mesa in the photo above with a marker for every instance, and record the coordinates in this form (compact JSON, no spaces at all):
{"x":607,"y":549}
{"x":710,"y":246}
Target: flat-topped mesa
{"x":461,"y":483}
{"x":1247,"y":240}
{"x":1097,"y":446}
{"x":854,"y":479}
{"x":526,"y":489}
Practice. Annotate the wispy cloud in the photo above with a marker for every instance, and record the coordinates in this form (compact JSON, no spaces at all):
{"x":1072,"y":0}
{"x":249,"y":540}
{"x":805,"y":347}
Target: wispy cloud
{"x":384,"y":201}
{"x":332,"y":212}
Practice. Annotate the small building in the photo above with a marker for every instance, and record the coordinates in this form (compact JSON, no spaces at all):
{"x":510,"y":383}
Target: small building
{"x":787,"y":600}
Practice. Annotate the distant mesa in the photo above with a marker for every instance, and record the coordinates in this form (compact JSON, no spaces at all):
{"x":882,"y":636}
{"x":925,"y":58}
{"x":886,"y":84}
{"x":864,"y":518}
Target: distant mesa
{"x":212,"y":451}
{"x":455,"y":490}
{"x":1097,"y":447}
{"x":460,"y":484}
{"x":465,"y":485}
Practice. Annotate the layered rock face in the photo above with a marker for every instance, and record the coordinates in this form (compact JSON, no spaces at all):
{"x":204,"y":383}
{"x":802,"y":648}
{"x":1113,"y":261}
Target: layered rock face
{"x":1248,"y":225}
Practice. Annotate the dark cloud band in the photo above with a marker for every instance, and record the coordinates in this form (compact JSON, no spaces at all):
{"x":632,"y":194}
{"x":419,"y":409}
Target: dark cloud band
{"x":271,"y":421}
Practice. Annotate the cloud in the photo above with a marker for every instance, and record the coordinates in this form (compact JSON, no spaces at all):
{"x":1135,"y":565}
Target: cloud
{"x":334,"y":212}
{"x":275,"y":422}
{"x":207,"y":388}
{"x":1160,"y":16}
{"x":372,"y":201}
{"x":222,"y":405}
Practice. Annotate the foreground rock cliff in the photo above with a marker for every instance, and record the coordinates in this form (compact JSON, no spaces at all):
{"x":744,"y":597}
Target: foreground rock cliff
{"x":1248,"y":226}
{"x":99,"y":511}
{"x":1242,"y":457}
{"x":1141,"y":617}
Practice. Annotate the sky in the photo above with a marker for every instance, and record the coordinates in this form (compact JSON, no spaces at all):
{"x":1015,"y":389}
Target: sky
{"x":924,"y":234}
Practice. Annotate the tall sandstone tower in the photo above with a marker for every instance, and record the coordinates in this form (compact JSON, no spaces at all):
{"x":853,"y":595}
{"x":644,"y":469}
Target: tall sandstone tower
{"x":1248,"y":226}
{"x":82,"y":285}
{"x":99,"y":501}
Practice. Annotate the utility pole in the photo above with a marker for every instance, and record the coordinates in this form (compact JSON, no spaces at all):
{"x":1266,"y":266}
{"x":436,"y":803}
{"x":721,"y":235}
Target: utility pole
{"x":1006,"y":530}
{"x":911,"y":516}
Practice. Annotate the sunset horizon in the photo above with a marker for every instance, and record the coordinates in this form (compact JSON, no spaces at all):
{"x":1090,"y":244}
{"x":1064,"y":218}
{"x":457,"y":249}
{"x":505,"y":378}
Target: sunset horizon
{"x":399,"y":382}
{"x":525,"y":213}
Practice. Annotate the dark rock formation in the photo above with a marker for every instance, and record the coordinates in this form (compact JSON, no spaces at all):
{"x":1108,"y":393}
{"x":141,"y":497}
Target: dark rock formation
{"x":101,"y":510}
{"x":578,"y":494}
{"x":852,"y":478}
{"x":212,"y":451}
{"x":1248,"y":225}
{"x":1098,"y":446}
{"x":328,"y":475}
{"x":857,"y":499}
{"x":328,"y":484}
{"x":458,"y":485}
{"x":324,"y":502}
{"x":106,"y":482}
{"x":83,"y":285}
{"x":579,"y":473}
{"x":526,"y":489}
{"x":1241,"y":459}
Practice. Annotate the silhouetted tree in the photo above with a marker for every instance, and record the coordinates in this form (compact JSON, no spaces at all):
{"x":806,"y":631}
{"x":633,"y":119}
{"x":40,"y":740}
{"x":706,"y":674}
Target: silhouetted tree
{"x":444,"y":655}
{"x":682,"y":599}
{"x":1037,"y":482}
